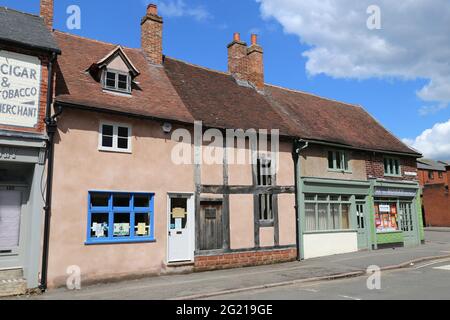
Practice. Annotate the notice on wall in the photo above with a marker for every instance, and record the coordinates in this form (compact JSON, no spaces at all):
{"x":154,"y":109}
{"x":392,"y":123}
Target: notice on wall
{"x":20,"y":79}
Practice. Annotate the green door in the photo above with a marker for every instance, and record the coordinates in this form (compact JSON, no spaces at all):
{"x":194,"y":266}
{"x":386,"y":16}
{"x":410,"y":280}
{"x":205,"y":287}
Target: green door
{"x":409,"y":224}
{"x":362,"y":226}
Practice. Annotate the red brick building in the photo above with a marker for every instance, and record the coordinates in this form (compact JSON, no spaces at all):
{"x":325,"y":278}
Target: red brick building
{"x":434,"y":177}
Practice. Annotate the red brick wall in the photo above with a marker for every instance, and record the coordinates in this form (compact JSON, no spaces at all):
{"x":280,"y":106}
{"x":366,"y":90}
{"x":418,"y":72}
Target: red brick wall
{"x":244,"y":259}
{"x":375,"y":167}
{"x":436,"y":202}
{"x":424,"y":178}
{"x":40,"y":127}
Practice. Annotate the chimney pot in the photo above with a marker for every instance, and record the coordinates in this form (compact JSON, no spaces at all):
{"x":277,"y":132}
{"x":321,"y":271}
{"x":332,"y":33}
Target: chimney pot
{"x":254,"y":39}
{"x":152,"y":9}
{"x":237,"y":37}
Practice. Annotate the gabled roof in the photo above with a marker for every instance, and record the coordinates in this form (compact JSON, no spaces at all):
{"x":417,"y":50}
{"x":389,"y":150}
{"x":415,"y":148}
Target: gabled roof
{"x":428,"y":164}
{"x":25,"y":30}
{"x":185,"y":92}
{"x":117,"y":51}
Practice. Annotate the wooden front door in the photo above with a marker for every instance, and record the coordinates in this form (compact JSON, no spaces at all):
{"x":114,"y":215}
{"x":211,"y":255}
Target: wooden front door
{"x":211,"y":228}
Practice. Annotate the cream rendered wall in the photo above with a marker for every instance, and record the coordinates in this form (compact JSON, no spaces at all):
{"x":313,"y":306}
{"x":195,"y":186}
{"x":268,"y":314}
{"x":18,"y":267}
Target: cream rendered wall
{"x":241,"y":222}
{"x":314,"y":163}
{"x":326,"y":244}
{"x":286,"y":218}
{"x":80,"y":167}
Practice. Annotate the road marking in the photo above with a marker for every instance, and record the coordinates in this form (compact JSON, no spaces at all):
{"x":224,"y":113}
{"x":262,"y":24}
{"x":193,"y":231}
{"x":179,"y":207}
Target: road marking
{"x":351,"y":298}
{"x":447,"y":268}
{"x":311,"y":290}
{"x":431,"y":263}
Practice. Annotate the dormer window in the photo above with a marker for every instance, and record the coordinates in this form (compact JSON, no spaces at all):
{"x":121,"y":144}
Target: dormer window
{"x":115,"y":72}
{"x":117,"y":81}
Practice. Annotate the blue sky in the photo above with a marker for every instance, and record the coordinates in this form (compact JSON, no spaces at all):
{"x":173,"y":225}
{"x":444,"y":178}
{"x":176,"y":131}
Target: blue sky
{"x":198,"y":32}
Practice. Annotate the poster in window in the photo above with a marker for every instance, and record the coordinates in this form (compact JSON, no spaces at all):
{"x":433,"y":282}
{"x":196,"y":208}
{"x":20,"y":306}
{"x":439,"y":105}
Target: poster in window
{"x":121,"y":229}
{"x":386,"y":217}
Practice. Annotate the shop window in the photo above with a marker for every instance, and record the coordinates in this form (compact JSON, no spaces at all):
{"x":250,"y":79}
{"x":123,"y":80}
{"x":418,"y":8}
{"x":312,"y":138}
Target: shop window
{"x":265,"y":179}
{"x":386,"y":217}
{"x":338,"y":160}
{"x":327,"y":212}
{"x":115,"y":137}
{"x":120,"y":217}
{"x":392,"y":167}
{"x":117,"y":81}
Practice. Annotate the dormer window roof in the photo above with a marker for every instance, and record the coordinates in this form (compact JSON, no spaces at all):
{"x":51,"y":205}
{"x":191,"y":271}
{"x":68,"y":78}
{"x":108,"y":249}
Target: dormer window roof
{"x":115,"y":71}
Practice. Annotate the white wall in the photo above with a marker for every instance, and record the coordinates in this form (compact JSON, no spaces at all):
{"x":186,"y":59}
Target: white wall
{"x":327,"y":244}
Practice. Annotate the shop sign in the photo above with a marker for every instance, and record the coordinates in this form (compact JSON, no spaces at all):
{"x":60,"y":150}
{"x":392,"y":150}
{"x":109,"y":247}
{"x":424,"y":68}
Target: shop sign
{"x":395,"y":192}
{"x":20,"y":79}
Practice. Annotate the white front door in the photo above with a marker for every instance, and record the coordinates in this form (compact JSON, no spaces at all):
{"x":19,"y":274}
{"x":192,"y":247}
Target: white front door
{"x":181,"y":244}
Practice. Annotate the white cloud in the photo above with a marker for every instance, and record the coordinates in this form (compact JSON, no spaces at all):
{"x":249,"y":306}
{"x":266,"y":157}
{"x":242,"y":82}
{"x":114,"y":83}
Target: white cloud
{"x":434,"y":143}
{"x":178,"y":8}
{"x":432,"y":109}
{"x":413,"y":42}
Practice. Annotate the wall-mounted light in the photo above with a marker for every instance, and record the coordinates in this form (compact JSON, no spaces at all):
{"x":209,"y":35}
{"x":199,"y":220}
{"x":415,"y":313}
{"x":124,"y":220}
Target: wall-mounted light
{"x":167,"y":127}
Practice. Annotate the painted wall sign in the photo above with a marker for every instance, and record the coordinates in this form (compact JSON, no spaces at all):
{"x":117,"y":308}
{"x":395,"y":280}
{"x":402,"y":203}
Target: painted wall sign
{"x":410,"y":174}
{"x":20,"y":80}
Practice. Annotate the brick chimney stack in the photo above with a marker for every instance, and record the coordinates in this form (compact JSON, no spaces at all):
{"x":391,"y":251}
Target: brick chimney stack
{"x":255,"y":63}
{"x":46,"y":12}
{"x":237,"y":58}
{"x":246,"y":63}
{"x":151,"y":34}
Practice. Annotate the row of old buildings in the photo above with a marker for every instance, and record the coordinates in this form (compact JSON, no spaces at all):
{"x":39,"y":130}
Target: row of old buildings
{"x":91,"y":139}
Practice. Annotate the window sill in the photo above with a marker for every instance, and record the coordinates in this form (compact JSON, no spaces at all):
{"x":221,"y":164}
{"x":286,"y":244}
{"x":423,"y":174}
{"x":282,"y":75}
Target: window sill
{"x":118,"y":92}
{"x":340,"y":171}
{"x":393,"y":175}
{"x":119,"y":241}
{"x":389,"y":232}
{"x":266,"y":224}
{"x":115,"y":151}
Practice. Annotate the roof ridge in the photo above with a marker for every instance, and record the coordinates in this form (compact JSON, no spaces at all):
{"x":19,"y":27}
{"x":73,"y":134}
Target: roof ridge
{"x":199,"y":66}
{"x":21,"y":12}
{"x":96,"y":40}
{"x":314,"y":95}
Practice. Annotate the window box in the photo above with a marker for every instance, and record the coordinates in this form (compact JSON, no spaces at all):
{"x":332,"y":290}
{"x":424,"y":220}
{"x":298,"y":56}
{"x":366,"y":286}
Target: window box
{"x":120,"y":217}
{"x":114,"y":137}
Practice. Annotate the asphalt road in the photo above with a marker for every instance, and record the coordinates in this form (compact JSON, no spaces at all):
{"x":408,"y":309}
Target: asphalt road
{"x":429,"y":280}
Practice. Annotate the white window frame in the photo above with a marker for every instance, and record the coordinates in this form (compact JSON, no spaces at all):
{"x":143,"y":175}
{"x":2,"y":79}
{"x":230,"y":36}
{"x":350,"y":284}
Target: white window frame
{"x":116,"y":87}
{"x":266,"y":198}
{"x":115,"y":147}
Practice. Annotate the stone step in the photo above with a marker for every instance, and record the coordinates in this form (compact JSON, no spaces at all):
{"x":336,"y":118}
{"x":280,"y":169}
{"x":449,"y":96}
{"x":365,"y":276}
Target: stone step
{"x":12,"y":287}
{"x":11,"y":274}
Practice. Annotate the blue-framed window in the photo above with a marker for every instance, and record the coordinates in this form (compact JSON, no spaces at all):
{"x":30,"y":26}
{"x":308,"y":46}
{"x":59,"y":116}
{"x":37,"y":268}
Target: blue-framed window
{"x":118,"y":217}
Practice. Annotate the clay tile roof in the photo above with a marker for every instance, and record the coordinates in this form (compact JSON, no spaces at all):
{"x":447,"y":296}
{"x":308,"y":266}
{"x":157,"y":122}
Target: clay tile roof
{"x":152,"y":96}
{"x":216,"y":99}
{"x":184,"y":92}
{"x":327,"y":120}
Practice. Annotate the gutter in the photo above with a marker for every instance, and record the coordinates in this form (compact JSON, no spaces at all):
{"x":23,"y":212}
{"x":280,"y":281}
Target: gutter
{"x":50,"y":121}
{"x":298,"y":146}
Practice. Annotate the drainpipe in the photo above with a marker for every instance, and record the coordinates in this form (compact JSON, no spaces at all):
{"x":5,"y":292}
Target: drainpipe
{"x":50,"y":122}
{"x":298,"y":146}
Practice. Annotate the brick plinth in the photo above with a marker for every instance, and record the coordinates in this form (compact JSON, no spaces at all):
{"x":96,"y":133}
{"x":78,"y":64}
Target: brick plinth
{"x":244,"y":259}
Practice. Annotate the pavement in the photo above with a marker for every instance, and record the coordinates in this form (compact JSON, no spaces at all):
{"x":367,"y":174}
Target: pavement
{"x":218,"y":283}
